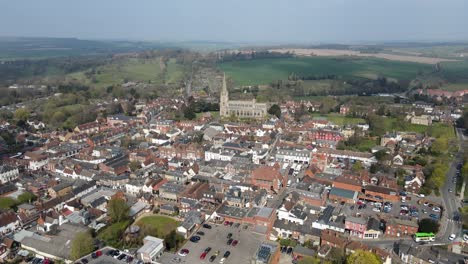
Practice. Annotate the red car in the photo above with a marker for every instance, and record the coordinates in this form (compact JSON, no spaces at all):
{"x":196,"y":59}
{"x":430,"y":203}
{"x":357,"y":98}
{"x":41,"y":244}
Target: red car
{"x":203,"y":255}
{"x":226,"y":223}
{"x":234,"y":243}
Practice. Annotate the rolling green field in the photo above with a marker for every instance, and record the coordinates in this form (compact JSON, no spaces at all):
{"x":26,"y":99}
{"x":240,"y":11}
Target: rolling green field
{"x":264,"y":71}
{"x":340,"y":120}
{"x":131,"y":69}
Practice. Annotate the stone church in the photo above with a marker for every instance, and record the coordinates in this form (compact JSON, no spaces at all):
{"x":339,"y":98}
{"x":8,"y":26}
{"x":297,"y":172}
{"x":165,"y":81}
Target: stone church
{"x":242,"y":109}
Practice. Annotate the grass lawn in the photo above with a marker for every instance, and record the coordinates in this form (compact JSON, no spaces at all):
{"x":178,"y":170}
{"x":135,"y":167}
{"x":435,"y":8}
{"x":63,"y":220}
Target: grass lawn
{"x":264,"y":71}
{"x":340,"y":119}
{"x":112,"y":234}
{"x":163,"y":224}
{"x":214,"y":114}
{"x":435,"y":130}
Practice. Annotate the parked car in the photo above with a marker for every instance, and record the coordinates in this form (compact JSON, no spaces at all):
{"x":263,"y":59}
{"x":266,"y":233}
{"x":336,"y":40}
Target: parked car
{"x":208,"y":249}
{"x":229,"y":235}
{"x":436,"y":209}
{"x":375,"y":209}
{"x":207,"y":226}
{"x":201,"y":233}
{"x":434,"y":216}
{"x":129,"y":259}
{"x":183,"y":252}
{"x":212,"y":258}
{"x":203,"y":255}
{"x":229,"y":241}
{"x":226,"y":254}
{"x":234,"y":243}
{"x":195,"y":239}
{"x":452,"y":237}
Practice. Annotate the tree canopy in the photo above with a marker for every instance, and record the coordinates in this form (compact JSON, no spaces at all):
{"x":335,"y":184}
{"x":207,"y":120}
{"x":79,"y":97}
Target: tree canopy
{"x":309,"y":260}
{"x":82,"y":245}
{"x":275,"y":110}
{"x":428,"y":226}
{"x":118,"y":210}
{"x":363,"y":257}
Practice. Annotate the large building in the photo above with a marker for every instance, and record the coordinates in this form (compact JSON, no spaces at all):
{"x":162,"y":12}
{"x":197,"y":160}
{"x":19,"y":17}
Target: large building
{"x":242,"y":109}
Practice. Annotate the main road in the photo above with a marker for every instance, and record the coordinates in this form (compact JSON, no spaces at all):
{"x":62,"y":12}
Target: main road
{"x":451,"y":201}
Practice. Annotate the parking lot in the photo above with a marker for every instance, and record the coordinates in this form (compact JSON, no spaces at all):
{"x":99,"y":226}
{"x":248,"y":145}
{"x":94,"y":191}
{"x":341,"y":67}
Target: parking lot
{"x":408,"y":210}
{"x":106,"y":259}
{"x":216,"y":238}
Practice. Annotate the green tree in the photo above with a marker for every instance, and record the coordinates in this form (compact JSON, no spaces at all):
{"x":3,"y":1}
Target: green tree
{"x":275,"y":110}
{"x":428,"y":226}
{"x":21,"y":114}
{"x":189,"y":113}
{"x":439,"y":146}
{"x":82,"y":245}
{"x":172,"y":240}
{"x":118,"y":210}
{"x":363,"y":257}
{"x":7,"y":203}
{"x":26,"y":197}
{"x":357,"y":166}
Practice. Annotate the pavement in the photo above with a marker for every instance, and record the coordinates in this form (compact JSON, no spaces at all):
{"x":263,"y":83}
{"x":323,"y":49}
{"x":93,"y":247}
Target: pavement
{"x":450,"y":199}
{"x":216,"y":238}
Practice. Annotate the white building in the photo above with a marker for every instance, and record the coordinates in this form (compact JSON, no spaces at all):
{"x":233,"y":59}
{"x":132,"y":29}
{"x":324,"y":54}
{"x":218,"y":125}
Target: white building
{"x":8,"y":173}
{"x":151,"y":250}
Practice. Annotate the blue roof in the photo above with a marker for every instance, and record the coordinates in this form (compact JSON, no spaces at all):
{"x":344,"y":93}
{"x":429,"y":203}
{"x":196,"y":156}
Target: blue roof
{"x":343,"y":193}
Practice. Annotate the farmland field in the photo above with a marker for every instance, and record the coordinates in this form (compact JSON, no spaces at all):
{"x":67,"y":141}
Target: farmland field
{"x":265,"y":71}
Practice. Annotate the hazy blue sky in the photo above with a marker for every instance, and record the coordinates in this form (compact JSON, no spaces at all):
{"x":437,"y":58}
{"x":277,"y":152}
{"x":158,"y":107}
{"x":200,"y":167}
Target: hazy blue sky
{"x":238,"y":20}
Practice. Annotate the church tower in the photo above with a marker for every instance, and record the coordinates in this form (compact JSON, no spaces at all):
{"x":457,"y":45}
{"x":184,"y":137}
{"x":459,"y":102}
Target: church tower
{"x":224,"y":99}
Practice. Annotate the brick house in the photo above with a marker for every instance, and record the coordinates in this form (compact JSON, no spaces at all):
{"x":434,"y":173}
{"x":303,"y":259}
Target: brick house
{"x":268,"y":178}
{"x":356,"y":226}
{"x":398,"y":228}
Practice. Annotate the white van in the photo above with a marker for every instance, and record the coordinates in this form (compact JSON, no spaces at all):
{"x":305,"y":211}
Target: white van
{"x":288,"y":184}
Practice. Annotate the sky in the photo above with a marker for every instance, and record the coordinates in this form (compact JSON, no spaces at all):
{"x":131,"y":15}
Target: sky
{"x":248,"y":21}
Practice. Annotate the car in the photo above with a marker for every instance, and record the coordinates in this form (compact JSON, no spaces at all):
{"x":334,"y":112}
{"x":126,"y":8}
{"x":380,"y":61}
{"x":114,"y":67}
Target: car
{"x":465,"y":237}
{"x":375,"y":209}
{"x":430,"y":205}
{"x":94,"y":255}
{"x":207,"y":226}
{"x":230,"y":241}
{"x":229,"y":235}
{"x":436,"y":209}
{"x":208,"y":249}
{"x":203,"y":255}
{"x":98,"y":253}
{"x":289,"y":251}
{"x":201,"y":233}
{"x":403,"y":207}
{"x":234,"y":243}
{"x":450,"y":190}
{"x":226,"y":223}
{"x":245,"y":227}
{"x":231,"y":223}
{"x":403,"y":212}
{"x":352,"y":207}
{"x":434,"y":216}
{"x":222,"y":261}
{"x":121,"y":256}
{"x":379,"y":197}
{"x":359,"y":207}
{"x":452,"y":237}
{"x":183,"y":252}
{"x":216,"y":253}
{"x":116,"y":253}
{"x":378,"y":204}
{"x":129,"y":259}
{"x":195,"y":239}
{"x":110,"y":252}
{"x":212,"y":258}
{"x":426,"y":203}
{"x":226,"y":254}
{"x":237,"y":225}
{"x":421,"y":195}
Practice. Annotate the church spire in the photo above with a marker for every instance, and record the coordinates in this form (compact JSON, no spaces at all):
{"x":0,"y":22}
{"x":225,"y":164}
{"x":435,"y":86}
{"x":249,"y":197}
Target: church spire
{"x":224,"y":98}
